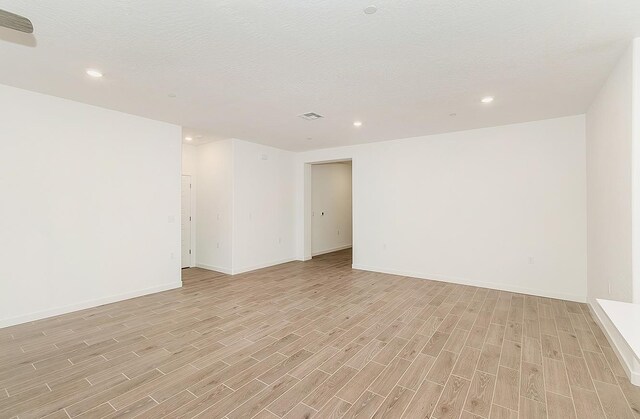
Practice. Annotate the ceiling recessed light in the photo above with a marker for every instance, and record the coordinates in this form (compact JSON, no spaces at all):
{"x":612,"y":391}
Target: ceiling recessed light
{"x":487,"y":99}
{"x":188,"y":138}
{"x":171,"y":95}
{"x":94,"y":73}
{"x":357,"y":124}
{"x":453,"y":114}
{"x":369,"y":10}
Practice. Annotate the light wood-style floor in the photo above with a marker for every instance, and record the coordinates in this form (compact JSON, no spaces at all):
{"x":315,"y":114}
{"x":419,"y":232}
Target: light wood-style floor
{"x":316,"y":339}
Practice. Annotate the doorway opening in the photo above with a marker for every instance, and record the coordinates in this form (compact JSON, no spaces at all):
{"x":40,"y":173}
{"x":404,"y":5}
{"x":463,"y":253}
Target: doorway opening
{"x":186,"y":223}
{"x":330,"y":209}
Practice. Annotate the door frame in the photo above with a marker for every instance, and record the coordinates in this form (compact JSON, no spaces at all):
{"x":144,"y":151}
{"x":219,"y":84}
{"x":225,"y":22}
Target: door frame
{"x":192,"y":255}
{"x":308,"y":207}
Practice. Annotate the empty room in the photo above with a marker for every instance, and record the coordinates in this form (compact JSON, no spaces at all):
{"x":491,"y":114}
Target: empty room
{"x":320,"y":209}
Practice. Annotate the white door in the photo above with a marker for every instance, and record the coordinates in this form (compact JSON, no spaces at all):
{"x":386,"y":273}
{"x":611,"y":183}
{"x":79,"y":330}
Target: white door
{"x":186,"y":221}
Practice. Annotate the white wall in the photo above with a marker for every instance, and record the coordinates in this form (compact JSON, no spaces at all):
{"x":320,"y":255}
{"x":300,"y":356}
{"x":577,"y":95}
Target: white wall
{"x":608,"y":128}
{"x":613,"y":185}
{"x":245,"y":206}
{"x":189,"y":168}
{"x":189,"y":159}
{"x":263,"y":204}
{"x":90,"y":206}
{"x":613,"y":191}
{"x":635,"y":177}
{"x":214,"y":205}
{"x":501,"y":207}
{"x":331,"y":207}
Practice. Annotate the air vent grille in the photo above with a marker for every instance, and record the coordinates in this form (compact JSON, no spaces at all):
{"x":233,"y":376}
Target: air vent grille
{"x":310,"y":116}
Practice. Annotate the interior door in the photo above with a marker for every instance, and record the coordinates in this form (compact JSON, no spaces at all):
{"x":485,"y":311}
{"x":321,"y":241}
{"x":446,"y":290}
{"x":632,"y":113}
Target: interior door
{"x":186,"y":221}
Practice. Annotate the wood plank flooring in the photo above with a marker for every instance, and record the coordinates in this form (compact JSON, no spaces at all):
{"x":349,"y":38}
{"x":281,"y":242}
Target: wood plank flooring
{"x":316,"y":339}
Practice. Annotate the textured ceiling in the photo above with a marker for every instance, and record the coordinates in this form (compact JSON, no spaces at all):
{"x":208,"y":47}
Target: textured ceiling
{"x":247,"y":68}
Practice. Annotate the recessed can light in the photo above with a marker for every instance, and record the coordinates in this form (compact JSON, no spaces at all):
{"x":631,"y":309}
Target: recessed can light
{"x":369,"y":10}
{"x":188,"y":138}
{"x":357,"y":124}
{"x":94,"y":73}
{"x":487,"y":99}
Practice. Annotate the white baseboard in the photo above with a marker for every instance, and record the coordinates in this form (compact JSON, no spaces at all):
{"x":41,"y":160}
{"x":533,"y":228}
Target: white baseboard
{"x":214,"y":268}
{"x":335,"y":249}
{"x":261,"y":266}
{"x":85,"y":304}
{"x":482,"y":284}
{"x":244,"y":269}
{"x":618,"y":344}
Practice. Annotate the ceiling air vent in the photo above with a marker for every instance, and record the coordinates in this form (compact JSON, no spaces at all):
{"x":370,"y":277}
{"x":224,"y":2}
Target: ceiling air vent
{"x":310,"y":116}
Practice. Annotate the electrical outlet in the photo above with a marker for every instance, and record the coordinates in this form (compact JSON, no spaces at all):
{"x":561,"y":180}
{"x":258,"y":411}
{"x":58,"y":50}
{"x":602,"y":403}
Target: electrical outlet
{"x":218,"y":245}
{"x":531,"y":260}
{"x":609,"y":287}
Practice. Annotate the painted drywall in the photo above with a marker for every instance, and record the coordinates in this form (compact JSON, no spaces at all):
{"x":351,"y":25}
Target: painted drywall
{"x":214,"y":205}
{"x":189,"y":159}
{"x":189,"y":168}
{"x":635,"y":177}
{"x":90,"y":206}
{"x":613,"y":198}
{"x":263,"y":205}
{"x":608,"y":149}
{"x":501,"y":207}
{"x":245,"y":204}
{"x":330,"y":207}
